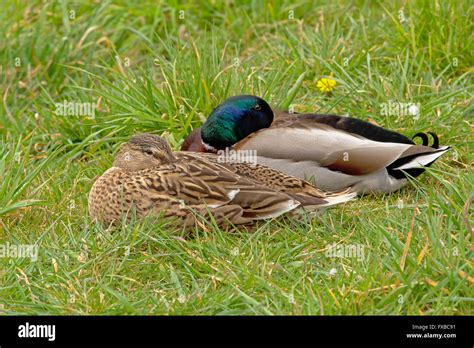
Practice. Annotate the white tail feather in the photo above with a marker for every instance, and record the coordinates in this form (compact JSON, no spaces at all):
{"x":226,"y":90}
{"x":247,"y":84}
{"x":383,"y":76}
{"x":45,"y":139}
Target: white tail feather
{"x":339,"y":199}
{"x":424,"y":159}
{"x":291,"y":205}
{"x":320,"y":208}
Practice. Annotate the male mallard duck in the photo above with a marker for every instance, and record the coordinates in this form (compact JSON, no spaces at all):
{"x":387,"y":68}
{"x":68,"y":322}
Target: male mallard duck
{"x":148,"y":178}
{"x":333,"y":152}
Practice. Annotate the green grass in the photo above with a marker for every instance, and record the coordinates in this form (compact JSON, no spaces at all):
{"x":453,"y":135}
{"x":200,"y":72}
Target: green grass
{"x":147,"y":69}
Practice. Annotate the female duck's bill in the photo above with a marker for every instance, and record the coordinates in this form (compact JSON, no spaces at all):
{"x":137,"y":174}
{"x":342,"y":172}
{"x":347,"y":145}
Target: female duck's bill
{"x":334,"y":152}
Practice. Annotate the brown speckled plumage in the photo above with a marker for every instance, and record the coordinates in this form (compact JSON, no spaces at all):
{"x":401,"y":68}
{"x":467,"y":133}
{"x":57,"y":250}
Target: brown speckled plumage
{"x":148,"y":178}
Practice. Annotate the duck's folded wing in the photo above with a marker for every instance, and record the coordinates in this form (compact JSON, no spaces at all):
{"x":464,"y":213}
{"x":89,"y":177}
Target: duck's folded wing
{"x":367,"y":159}
{"x":302,"y":191}
{"x":269,"y":177}
{"x":192,"y":184}
{"x":261,"y":203}
{"x":328,"y":147}
{"x":201,"y":183}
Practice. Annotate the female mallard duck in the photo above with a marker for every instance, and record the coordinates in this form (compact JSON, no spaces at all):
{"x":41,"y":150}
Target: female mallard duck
{"x":333,"y":152}
{"x":148,"y":178}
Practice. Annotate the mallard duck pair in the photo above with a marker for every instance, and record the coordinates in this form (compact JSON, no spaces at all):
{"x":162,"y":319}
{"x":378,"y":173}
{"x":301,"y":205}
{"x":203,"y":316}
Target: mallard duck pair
{"x":332,"y":152}
{"x":341,"y":156}
{"x":148,"y":178}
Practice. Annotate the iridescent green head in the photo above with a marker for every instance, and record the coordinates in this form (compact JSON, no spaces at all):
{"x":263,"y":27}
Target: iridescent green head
{"x":235,"y":119}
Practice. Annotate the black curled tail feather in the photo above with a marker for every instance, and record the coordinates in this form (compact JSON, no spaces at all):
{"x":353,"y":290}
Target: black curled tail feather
{"x":435,"y":140}
{"x":424,"y":138}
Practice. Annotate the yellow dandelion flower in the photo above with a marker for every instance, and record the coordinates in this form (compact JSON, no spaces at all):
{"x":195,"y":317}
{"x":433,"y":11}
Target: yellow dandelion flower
{"x":326,"y":85}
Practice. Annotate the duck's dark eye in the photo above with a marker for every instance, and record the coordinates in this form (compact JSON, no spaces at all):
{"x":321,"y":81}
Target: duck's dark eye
{"x":149,"y":152}
{"x":257,"y":107}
